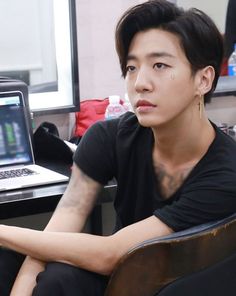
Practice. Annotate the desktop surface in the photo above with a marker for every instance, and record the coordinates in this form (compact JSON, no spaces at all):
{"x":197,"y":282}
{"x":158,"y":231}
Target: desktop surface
{"x":42,"y":199}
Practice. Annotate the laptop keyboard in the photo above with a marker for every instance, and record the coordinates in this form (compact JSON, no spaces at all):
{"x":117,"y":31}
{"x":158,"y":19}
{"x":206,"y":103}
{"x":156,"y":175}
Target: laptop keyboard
{"x":16,"y":173}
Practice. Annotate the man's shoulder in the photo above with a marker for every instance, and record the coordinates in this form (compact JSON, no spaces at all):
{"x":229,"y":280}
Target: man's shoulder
{"x":224,"y":143}
{"x":123,"y":125}
{"x":128,"y":121}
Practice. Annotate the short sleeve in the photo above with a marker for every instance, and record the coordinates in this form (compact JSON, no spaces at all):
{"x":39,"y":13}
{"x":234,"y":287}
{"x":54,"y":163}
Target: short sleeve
{"x":198,"y":207}
{"x":95,"y":154}
{"x":209,"y":193}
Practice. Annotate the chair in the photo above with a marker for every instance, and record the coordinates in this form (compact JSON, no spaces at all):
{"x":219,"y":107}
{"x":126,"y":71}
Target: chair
{"x":198,"y":261}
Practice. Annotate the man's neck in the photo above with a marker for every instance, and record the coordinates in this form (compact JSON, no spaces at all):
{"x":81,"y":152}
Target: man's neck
{"x":182,"y":143}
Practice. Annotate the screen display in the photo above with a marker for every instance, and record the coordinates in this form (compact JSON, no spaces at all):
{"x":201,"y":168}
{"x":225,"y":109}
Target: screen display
{"x":14,"y":136}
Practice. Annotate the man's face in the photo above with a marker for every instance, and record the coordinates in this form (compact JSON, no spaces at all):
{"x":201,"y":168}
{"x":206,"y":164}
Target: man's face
{"x":159,"y":81}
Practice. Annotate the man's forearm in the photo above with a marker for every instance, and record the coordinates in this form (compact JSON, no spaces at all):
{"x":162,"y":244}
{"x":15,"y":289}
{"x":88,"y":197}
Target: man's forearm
{"x":70,"y":216}
{"x":94,"y":253}
{"x":26,"y":278}
{"x":80,"y":249}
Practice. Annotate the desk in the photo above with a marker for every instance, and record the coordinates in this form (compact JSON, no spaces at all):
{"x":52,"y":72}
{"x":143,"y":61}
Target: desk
{"x":42,"y":199}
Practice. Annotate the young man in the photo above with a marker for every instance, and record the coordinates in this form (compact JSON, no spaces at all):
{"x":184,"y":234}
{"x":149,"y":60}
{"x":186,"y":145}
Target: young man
{"x":174,"y":168}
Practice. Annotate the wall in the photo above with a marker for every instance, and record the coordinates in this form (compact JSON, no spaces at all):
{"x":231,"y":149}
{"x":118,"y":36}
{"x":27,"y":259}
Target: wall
{"x":64,"y":123}
{"x":215,"y":9}
{"x":222,"y":110}
{"x":100,"y":75}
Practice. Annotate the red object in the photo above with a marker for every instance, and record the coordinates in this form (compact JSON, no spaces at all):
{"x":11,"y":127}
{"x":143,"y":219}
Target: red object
{"x":91,"y":110}
{"x":224,"y":68}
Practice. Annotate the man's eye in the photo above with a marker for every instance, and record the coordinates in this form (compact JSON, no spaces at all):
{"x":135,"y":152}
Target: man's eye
{"x":159,"y":66}
{"x":130,"y":69}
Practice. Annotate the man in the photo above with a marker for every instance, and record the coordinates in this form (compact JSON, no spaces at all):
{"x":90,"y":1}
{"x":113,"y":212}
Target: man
{"x":174,"y":168}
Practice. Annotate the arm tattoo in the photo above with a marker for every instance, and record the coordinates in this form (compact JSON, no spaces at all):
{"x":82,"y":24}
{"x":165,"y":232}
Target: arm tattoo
{"x":81,"y":193}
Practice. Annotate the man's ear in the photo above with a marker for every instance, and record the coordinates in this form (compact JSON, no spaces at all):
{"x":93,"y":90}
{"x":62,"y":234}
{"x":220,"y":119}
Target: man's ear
{"x":205,"y":79}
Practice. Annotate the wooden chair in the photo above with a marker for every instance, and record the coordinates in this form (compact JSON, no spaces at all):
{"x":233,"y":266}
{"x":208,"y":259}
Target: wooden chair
{"x":198,"y":261}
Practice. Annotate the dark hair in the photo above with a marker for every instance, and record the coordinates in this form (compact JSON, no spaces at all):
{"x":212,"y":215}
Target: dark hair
{"x":199,"y":37}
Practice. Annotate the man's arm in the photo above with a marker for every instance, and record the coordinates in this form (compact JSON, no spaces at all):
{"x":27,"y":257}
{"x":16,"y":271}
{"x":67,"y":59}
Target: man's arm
{"x":70,"y":215}
{"x":95,"y":253}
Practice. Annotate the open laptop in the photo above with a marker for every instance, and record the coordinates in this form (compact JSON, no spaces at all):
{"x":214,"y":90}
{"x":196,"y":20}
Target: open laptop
{"x":17,"y":165}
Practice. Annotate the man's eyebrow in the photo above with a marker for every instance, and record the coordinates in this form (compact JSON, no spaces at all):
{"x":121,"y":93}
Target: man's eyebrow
{"x":160,"y":54}
{"x":151,"y":55}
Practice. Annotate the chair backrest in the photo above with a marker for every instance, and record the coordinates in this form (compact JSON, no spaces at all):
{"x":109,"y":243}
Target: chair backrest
{"x":155,"y":263}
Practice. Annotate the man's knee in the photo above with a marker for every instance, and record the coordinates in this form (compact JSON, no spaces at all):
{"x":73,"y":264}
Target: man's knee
{"x":64,"y":279}
{"x":54,"y":278}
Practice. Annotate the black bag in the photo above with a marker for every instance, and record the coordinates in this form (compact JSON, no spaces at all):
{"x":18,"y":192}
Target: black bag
{"x":48,"y":145}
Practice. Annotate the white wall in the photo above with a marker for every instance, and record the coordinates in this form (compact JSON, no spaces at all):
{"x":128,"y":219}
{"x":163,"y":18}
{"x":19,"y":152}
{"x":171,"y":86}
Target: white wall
{"x":222,"y":110}
{"x":99,"y":71}
{"x":215,"y":9}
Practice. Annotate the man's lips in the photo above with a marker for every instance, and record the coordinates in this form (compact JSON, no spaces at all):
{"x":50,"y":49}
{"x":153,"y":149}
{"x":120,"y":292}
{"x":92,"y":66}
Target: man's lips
{"x":144,"y":103}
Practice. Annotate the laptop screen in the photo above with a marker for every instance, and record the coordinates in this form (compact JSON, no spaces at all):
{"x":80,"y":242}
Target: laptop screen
{"x":15,"y":144}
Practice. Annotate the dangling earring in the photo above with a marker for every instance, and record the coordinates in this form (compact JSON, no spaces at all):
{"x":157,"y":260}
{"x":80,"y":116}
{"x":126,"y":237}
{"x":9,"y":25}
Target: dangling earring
{"x":201,"y":106}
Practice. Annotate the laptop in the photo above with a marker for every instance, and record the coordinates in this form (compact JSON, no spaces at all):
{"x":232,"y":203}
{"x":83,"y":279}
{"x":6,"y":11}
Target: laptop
{"x":17,"y":164}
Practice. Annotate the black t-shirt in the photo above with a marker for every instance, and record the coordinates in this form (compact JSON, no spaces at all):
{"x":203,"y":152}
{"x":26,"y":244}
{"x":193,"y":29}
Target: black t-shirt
{"x":122,"y":148}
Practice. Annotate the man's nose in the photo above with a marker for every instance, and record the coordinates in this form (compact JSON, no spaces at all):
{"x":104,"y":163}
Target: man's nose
{"x":143,"y":81}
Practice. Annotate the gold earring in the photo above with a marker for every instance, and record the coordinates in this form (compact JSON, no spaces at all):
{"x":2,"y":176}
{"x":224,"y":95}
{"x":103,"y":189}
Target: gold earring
{"x":201,"y":106}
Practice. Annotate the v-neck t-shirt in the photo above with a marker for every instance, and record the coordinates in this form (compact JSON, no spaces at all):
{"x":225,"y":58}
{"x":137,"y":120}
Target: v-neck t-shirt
{"x":122,"y":149}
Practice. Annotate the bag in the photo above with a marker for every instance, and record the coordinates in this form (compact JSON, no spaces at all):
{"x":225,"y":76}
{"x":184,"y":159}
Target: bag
{"x":90,"y":111}
{"x":49,"y":146}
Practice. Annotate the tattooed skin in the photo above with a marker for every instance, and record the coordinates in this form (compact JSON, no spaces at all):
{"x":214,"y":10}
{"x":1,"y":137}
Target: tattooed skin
{"x":81,"y":193}
{"x":169,"y":183}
